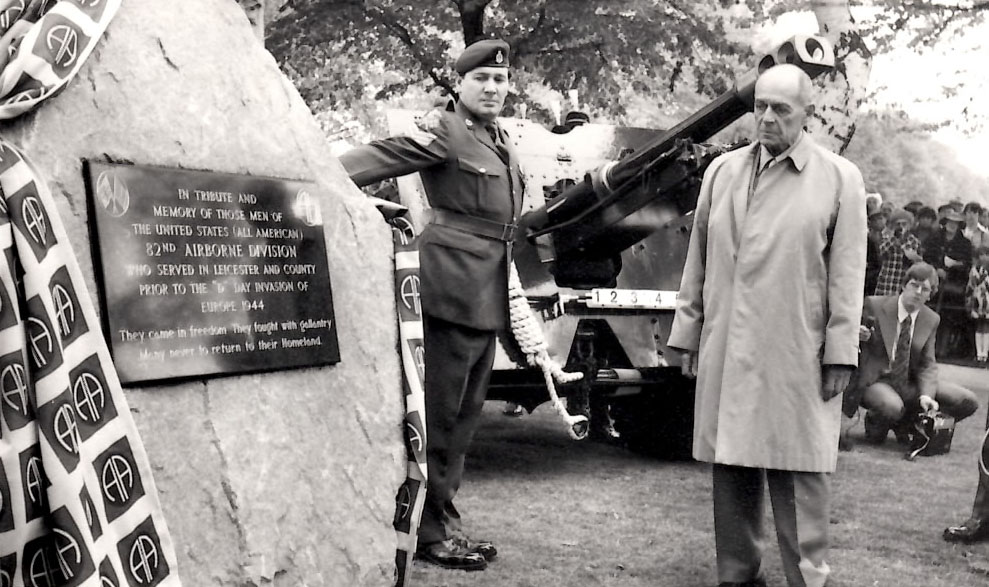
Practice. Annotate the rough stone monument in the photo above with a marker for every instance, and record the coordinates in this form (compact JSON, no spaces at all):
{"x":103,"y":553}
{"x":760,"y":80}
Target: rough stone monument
{"x":287,"y":477}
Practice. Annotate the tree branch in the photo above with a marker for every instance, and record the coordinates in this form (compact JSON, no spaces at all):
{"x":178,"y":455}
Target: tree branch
{"x":388,"y":20}
{"x":522,"y":40}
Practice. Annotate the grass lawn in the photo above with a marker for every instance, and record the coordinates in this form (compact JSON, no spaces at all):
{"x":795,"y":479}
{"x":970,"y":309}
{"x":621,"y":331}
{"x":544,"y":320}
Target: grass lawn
{"x":563,"y":513}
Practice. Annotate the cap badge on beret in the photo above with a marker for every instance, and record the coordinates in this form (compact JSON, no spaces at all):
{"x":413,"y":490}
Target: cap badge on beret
{"x":484,"y":53}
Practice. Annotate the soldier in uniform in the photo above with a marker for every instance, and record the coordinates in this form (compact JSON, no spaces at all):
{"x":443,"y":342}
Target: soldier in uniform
{"x":474,"y":186}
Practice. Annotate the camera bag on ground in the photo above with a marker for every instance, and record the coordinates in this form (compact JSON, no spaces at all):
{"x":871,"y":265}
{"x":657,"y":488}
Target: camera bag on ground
{"x":931,"y":434}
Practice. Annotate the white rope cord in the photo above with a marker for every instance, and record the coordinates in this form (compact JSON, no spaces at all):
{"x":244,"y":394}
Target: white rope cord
{"x":529,"y":336}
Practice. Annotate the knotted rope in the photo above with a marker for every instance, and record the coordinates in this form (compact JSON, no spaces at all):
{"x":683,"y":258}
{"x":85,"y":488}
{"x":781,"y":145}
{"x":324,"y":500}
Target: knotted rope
{"x":529,"y":336}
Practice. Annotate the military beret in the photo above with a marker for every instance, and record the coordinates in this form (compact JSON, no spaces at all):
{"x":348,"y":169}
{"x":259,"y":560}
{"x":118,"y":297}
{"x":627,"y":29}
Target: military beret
{"x":486,"y":53}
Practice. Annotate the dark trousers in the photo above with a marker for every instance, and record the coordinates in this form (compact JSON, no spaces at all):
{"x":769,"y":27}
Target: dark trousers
{"x":458,"y":368}
{"x":884,"y":402}
{"x":980,"y":510}
{"x":801,"y":513}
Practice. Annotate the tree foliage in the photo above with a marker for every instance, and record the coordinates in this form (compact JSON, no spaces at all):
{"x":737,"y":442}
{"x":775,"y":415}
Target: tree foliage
{"x":351,"y":54}
{"x":900,"y":160}
{"x":631,"y":62}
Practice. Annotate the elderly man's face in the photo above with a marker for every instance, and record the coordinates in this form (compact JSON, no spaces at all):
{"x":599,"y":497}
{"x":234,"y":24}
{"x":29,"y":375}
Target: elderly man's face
{"x":483,"y":91}
{"x":780,"y":112}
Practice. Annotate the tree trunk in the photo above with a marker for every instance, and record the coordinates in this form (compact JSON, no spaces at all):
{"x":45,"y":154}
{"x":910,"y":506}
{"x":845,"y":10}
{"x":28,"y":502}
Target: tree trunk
{"x":472,"y":20}
{"x":841,"y":91}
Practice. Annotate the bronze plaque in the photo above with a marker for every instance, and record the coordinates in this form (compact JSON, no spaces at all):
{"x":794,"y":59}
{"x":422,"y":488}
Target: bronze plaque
{"x":209,"y":273}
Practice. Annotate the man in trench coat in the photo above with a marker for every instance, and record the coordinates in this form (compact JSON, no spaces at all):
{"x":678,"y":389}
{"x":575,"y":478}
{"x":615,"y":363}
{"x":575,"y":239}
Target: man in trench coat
{"x":767,"y":320}
{"x":471,"y":176}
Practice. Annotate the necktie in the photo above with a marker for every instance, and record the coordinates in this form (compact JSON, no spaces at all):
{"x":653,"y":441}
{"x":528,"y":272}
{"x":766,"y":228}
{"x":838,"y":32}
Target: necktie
{"x":898,"y":369}
{"x":496,"y":137}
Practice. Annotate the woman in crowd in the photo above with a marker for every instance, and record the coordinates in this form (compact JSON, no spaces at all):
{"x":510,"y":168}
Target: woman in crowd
{"x":977,"y":301}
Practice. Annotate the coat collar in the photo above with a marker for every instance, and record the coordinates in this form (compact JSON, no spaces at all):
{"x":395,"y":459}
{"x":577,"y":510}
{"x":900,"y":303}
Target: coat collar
{"x":799,"y":153}
{"x":475,"y":125}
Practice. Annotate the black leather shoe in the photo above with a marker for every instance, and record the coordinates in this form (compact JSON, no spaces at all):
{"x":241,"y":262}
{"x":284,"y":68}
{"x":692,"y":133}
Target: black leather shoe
{"x":450,"y":555}
{"x":971,"y":530}
{"x":481,"y":547}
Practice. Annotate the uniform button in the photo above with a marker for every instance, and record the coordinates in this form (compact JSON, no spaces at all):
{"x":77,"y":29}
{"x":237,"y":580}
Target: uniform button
{"x":483,"y":170}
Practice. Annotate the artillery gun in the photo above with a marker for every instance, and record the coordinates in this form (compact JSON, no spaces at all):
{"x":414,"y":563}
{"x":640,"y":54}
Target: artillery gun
{"x":601,"y":254}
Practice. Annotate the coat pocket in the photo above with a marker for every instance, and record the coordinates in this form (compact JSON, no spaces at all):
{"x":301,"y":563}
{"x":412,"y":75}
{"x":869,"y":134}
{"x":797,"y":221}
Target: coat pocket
{"x":480,"y":179}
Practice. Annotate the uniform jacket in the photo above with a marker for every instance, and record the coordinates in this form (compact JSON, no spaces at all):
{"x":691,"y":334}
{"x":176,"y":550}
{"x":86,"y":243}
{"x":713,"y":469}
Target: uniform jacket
{"x":772,"y":290}
{"x":876,"y":352}
{"x":464,"y":277}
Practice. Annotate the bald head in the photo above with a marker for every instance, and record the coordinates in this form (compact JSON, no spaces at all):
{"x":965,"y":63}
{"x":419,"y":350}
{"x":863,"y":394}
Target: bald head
{"x":783,"y":96}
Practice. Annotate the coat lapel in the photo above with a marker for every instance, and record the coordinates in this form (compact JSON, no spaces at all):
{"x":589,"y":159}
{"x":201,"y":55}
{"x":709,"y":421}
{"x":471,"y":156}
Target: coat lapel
{"x":476,"y":127}
{"x":921,"y":332}
{"x":887,"y":323}
{"x":482,"y":135}
{"x":740,"y":197}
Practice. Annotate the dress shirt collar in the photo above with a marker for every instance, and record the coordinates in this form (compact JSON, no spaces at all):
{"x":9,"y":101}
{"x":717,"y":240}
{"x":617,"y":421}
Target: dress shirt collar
{"x":902,"y":313}
{"x":798,"y":152}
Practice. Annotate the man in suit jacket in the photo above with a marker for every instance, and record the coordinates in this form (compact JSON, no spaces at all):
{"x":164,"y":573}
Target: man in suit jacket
{"x":474,"y":186}
{"x":890,"y":385}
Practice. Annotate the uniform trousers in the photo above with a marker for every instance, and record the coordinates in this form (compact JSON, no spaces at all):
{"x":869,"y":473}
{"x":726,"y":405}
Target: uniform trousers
{"x":980,"y":509}
{"x":801,"y":506}
{"x":458,"y":362}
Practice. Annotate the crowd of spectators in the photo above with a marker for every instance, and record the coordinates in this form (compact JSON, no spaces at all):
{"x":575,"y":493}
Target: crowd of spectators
{"x":955,"y":240}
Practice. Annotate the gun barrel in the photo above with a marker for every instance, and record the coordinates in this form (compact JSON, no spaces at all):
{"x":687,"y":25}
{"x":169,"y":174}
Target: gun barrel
{"x":812,"y":54}
{"x":700,"y":126}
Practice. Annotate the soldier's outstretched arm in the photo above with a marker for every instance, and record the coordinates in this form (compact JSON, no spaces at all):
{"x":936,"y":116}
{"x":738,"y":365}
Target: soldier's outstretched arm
{"x":413,"y":151}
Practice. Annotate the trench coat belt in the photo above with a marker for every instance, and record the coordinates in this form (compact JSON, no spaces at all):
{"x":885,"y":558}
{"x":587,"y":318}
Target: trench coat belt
{"x":475,"y":225}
